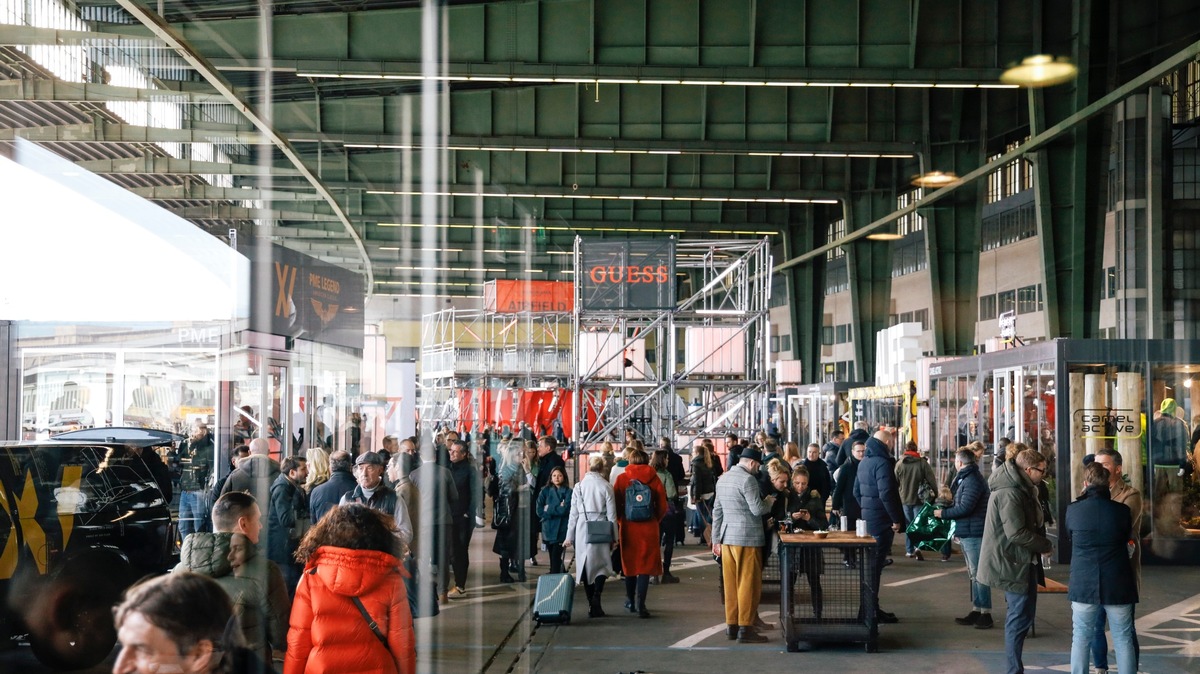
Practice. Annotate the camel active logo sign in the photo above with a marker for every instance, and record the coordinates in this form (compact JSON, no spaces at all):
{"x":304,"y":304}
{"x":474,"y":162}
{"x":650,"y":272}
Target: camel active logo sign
{"x":628,"y":275}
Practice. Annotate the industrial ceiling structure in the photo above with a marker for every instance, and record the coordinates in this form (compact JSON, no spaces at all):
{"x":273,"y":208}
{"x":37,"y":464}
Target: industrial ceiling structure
{"x":432,"y":146}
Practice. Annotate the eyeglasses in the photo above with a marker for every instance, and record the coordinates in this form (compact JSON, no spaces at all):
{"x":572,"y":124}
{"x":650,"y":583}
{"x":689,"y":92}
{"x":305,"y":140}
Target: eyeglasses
{"x":1040,"y":470}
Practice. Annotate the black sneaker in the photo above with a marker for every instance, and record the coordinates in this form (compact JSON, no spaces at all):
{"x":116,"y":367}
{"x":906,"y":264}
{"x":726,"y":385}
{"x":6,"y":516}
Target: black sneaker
{"x":984,"y":622}
{"x":885,"y":617}
{"x":969,"y":619}
{"x":749,"y":635}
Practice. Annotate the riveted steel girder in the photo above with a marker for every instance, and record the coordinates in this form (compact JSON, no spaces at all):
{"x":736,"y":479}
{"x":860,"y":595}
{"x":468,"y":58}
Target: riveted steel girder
{"x":172,"y":166}
{"x":127,"y":133}
{"x":58,"y":90}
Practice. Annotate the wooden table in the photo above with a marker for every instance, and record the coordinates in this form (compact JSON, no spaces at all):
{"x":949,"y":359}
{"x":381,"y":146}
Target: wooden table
{"x":837,"y":604}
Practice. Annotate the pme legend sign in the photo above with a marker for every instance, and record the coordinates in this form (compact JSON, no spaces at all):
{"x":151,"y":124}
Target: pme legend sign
{"x":627,"y":275}
{"x":1106,"y":424}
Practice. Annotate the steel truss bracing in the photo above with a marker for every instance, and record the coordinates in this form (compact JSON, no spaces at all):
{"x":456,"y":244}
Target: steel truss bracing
{"x":476,"y":351}
{"x":695,"y":370}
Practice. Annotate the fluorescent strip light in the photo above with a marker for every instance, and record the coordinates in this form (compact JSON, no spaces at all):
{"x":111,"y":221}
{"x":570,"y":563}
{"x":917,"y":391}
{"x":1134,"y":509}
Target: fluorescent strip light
{"x":646,"y":80}
{"x":720,"y":312}
{"x":589,"y":150}
{"x":530,"y":228}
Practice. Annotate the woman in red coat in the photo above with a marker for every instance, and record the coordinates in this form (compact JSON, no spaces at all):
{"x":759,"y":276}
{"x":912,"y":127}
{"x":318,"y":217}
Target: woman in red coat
{"x":639,"y":535}
{"x":351,"y":553}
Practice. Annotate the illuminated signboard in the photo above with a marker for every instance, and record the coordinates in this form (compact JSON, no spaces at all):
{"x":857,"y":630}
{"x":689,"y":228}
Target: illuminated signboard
{"x":627,"y":275}
{"x":308,"y":299}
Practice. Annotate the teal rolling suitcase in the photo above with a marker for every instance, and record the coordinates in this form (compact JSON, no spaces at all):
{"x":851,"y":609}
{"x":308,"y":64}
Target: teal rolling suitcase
{"x":554,"y":598}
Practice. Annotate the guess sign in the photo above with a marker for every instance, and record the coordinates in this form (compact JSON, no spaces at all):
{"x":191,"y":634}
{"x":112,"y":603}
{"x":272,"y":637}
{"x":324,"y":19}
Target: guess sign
{"x":634,"y":274}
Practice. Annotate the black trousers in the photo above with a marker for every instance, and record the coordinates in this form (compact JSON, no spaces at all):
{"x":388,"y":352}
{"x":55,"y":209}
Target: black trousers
{"x":460,"y":545}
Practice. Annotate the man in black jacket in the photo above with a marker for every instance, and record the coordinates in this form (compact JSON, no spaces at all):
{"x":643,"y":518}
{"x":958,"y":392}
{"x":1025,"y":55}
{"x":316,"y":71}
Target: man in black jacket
{"x":859,"y":434}
{"x":466,"y":511}
{"x":196,"y":455}
{"x":287,"y":517}
{"x":879,"y":495}
{"x":829,"y":453}
{"x":819,"y":476}
{"x":341,"y":482}
{"x":969,"y":511}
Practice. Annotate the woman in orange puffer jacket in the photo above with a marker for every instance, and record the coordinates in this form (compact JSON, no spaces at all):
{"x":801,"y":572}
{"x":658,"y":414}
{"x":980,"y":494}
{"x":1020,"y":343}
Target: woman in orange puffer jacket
{"x":351,"y":552}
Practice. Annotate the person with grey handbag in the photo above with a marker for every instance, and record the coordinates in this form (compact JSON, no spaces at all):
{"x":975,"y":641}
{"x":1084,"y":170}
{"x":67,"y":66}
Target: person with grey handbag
{"x":590,"y":530}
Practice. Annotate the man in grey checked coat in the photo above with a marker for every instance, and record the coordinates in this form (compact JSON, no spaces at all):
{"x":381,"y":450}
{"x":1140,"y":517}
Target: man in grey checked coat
{"x":738,"y":540}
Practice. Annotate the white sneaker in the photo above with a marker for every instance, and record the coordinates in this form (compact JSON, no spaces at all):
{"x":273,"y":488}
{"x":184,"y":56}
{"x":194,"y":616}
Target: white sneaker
{"x":456,"y":593}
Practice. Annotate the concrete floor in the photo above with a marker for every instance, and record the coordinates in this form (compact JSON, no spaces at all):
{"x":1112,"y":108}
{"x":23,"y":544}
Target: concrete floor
{"x":490,"y":630}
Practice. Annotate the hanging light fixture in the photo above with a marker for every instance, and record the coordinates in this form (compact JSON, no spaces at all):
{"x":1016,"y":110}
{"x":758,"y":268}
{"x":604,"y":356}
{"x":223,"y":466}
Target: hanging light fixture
{"x":934,"y":179}
{"x":884,"y":236}
{"x":1041,"y":70}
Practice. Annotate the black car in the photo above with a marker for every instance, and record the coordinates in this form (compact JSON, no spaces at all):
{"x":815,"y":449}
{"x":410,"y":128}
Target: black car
{"x":82,"y":517}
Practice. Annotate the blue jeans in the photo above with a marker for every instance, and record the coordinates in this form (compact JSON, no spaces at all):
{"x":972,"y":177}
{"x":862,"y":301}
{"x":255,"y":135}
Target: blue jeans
{"x":1022,"y":606}
{"x":193,"y":507}
{"x":981,"y":595}
{"x":1083,"y":626}
{"x":910,"y":514}
{"x":1100,"y":643}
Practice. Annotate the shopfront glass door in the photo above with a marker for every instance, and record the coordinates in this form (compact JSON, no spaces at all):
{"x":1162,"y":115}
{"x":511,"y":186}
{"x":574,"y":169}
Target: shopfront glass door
{"x":1008,"y":408}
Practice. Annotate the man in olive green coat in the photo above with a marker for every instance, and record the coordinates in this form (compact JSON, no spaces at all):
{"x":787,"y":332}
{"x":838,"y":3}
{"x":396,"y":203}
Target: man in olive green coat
{"x":1013,"y":539}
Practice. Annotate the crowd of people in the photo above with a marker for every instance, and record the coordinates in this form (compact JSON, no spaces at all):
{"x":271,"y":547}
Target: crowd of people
{"x":358,"y":544}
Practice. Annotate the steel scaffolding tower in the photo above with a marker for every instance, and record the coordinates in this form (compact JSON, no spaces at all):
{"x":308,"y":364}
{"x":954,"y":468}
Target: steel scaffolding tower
{"x":631,"y":372}
{"x":480,"y":350}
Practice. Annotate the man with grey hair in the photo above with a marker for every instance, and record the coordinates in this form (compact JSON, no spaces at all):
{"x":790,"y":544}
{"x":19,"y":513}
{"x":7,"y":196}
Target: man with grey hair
{"x":738,"y":539}
{"x":255,"y":474}
{"x":1012,"y":542}
{"x":969,"y":512}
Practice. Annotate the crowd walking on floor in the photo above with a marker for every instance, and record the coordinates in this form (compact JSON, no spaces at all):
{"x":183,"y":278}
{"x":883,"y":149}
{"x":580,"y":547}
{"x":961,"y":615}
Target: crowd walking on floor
{"x":359,"y":545}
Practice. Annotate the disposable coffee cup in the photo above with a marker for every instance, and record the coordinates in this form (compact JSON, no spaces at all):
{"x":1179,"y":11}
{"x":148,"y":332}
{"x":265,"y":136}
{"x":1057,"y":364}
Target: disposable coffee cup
{"x":860,"y":528}
{"x":845,"y":522}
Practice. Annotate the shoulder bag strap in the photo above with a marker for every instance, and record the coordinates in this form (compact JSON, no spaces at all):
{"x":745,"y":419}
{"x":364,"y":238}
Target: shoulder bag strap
{"x":370,"y":621}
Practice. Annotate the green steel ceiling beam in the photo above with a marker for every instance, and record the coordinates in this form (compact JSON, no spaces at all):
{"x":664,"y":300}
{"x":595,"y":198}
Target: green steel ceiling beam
{"x":173,"y":166}
{"x":102,"y":132}
{"x":231,"y":212}
{"x":870,"y":270}
{"x":23,"y":36}
{"x":204,"y":192}
{"x":390,"y":141}
{"x":164,"y":32}
{"x":76,"y":92}
{"x":548,"y":192}
{"x":1041,"y":140}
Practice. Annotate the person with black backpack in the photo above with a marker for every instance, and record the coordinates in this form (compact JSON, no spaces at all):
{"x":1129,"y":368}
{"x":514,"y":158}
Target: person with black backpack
{"x":641,"y":506}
